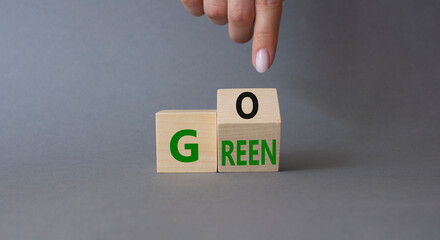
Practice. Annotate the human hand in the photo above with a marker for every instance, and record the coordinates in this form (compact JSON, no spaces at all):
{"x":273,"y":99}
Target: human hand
{"x":260,"y":18}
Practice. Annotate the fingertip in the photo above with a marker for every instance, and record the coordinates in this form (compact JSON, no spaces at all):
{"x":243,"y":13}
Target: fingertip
{"x":262,"y":60}
{"x":216,"y":11}
{"x":240,"y":39}
{"x":194,"y":7}
{"x":197,"y":14}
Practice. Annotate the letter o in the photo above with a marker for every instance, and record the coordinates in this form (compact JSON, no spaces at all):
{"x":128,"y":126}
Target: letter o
{"x":254,"y":107}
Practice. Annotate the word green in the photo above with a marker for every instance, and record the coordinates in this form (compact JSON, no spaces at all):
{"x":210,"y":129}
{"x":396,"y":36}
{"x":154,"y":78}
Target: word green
{"x":189,"y":146}
{"x":252,"y":152}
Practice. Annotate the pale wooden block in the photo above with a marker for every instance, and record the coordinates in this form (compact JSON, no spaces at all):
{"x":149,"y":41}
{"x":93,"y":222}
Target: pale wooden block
{"x":259,"y":132}
{"x":201,"y":123}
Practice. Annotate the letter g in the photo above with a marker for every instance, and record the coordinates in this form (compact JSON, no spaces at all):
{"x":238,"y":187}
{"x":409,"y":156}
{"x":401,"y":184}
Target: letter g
{"x":189,"y":146}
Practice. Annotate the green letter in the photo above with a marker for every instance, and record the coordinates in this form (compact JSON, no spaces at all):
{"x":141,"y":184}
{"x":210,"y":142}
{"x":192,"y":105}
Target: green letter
{"x":228,"y":153}
{"x":265,"y":148}
{"x":240,"y":152}
{"x":193,"y":147}
{"x":252,"y":152}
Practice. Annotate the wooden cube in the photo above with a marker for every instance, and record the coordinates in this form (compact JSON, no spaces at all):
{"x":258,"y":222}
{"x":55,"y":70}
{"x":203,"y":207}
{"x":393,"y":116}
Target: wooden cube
{"x":186,"y":141}
{"x":248,"y":129}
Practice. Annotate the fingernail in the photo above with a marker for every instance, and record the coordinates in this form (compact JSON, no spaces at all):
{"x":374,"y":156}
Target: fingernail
{"x":262,"y":60}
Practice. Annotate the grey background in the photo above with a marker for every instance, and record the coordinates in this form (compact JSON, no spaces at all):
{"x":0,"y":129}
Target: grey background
{"x":80,"y":81}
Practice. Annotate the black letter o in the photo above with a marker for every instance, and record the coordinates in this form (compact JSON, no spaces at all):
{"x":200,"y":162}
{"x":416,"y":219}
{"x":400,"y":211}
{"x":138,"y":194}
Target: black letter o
{"x":254,"y":102}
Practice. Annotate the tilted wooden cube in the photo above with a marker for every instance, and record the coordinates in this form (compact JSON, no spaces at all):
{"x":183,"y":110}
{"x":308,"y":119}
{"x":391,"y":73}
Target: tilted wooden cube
{"x":186,"y":141}
{"x":248,"y":129}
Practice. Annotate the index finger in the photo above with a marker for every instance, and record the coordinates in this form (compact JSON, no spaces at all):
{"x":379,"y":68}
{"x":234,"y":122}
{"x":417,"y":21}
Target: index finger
{"x":267,"y":24}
